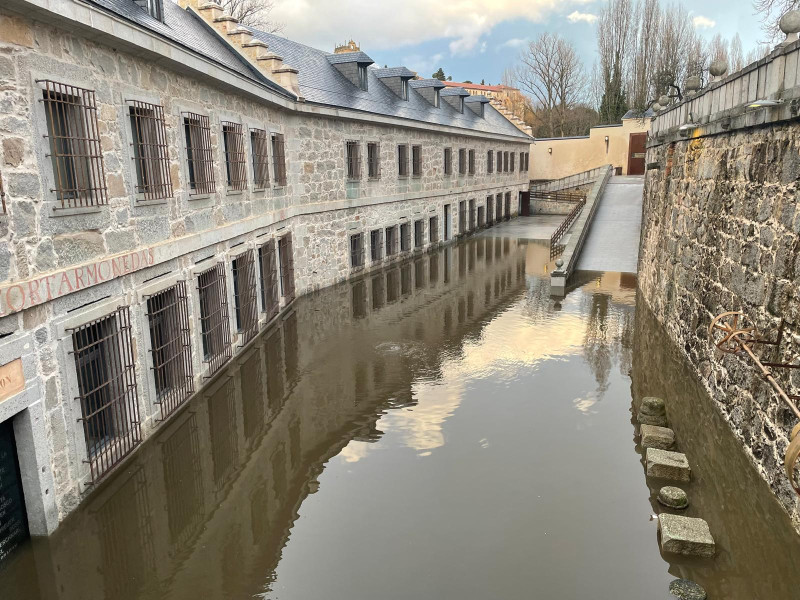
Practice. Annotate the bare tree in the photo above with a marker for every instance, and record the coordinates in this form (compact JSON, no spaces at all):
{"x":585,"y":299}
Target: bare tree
{"x":615,"y":33}
{"x":736,"y":54}
{"x":253,"y":13}
{"x":771,"y":11}
{"x":648,"y":15}
{"x":757,"y":53}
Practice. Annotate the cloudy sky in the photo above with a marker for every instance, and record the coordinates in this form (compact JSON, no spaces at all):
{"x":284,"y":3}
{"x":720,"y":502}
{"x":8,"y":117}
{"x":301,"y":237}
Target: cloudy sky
{"x":474,"y":39}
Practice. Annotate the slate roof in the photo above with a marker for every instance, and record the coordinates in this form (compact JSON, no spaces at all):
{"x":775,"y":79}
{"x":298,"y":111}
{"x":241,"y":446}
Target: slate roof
{"x":348,"y":57}
{"x":637,"y":114}
{"x":393,"y":72}
{"x":320,"y":82}
{"x":453,"y":91}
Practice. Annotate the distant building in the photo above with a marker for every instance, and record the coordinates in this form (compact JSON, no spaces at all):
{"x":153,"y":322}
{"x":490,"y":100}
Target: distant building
{"x":506,"y":99}
{"x":350,"y":46}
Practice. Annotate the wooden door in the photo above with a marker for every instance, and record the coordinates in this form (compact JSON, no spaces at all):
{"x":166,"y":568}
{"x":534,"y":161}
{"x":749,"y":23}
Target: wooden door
{"x":636,"y":153}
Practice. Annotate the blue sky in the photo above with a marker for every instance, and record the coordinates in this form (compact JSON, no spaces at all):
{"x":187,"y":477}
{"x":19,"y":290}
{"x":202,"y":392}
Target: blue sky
{"x":475,"y":39}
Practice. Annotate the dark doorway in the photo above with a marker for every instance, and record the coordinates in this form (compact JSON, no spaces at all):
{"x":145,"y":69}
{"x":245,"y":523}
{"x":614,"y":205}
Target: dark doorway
{"x":636,"y":153}
{"x":13,"y":519}
{"x":525,"y":204}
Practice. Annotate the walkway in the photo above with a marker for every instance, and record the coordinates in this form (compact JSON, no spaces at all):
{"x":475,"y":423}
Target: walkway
{"x":613,"y":242}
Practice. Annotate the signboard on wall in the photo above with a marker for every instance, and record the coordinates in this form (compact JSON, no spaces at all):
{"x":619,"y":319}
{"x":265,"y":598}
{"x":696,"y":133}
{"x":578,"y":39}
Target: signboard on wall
{"x":12,"y":381}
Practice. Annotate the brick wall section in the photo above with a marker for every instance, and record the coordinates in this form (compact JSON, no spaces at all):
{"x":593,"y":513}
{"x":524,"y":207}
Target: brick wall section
{"x":720,"y":232}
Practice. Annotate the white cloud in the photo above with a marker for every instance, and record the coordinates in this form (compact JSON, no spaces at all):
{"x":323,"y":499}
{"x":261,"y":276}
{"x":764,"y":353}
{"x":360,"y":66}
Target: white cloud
{"x":386,"y":25}
{"x":513,"y":43}
{"x":702,"y":22}
{"x":578,"y":17}
{"x":424,"y":65}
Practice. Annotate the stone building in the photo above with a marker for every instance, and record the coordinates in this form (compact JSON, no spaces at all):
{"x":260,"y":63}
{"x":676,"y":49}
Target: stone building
{"x":508,"y":100}
{"x":172,"y":181}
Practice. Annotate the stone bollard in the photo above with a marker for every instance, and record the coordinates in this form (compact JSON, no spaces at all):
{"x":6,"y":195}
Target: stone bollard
{"x":663,"y":464}
{"x":652,"y":411}
{"x":685,"y":535}
{"x":654,"y":436}
{"x":673,"y":497}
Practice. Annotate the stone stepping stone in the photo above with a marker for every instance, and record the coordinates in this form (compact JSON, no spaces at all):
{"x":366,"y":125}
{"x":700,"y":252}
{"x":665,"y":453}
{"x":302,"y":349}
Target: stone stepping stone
{"x":664,"y":464}
{"x":673,"y":497}
{"x":654,"y":436}
{"x":652,"y":411}
{"x":683,"y":589}
{"x":685,"y":535}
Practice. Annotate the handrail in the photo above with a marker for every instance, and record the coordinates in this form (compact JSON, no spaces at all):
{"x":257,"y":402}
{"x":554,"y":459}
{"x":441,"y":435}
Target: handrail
{"x":566,"y":223}
{"x":558,"y":196}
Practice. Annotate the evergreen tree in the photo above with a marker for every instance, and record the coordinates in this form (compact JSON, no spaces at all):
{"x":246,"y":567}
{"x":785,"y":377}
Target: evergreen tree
{"x":439,"y":75}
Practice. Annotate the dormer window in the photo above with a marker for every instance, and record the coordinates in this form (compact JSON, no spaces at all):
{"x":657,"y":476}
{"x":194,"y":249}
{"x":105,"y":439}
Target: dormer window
{"x":363,"y":80}
{"x":155,"y":8}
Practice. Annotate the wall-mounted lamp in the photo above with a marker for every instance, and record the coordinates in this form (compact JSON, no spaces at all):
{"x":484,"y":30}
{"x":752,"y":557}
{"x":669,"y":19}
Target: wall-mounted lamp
{"x":764,"y":103}
{"x":549,"y":150}
{"x":685,"y":129}
{"x":606,"y":144}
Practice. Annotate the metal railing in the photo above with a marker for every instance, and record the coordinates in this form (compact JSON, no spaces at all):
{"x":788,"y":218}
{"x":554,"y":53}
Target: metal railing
{"x":259,"y":142}
{"x":150,"y":152}
{"x":555,"y":248}
{"x":199,"y":153}
{"x":558,"y":196}
{"x":244,"y":293}
{"x":269,"y":279}
{"x":286,"y":256}
{"x":235,"y":155}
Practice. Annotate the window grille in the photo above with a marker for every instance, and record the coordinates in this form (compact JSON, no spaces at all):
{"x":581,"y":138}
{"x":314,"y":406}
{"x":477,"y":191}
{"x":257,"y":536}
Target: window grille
{"x":107,"y":390}
{"x":489,"y":162}
{"x":447,"y":219}
{"x":489,"y":210}
{"x":433,"y":229}
{"x":481,"y":216}
{"x":472,"y":162}
{"x":353,"y":160}
{"x":373,"y":160}
{"x":419,"y":233}
{"x":507,"y":210}
{"x":3,"y":210}
{"x":391,"y":240}
{"x":214,"y":319}
{"x":471,"y":215}
{"x":75,"y":152}
{"x":235,"y":155}
{"x":286,"y":258}
{"x":505,"y":162}
{"x":150,"y":155}
{"x":513,"y":155}
{"x":357,"y":250}
{"x":269,"y":279}
{"x":499,"y":203}
{"x":448,"y":161}
{"x":199,"y":155}
{"x":462,"y":161}
{"x":416,"y":161}
{"x":279,"y":159}
{"x":462,"y":217}
{"x":376,"y":245}
{"x":405,"y":237}
{"x":259,"y":142}
{"x":170,"y":347}
{"x":402,"y":160}
{"x":244,"y":295}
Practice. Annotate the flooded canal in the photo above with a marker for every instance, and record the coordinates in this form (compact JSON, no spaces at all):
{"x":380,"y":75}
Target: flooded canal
{"x":439,"y":429}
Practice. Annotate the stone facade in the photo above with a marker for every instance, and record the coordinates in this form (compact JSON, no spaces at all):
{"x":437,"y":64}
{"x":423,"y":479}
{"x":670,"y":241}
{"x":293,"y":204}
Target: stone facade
{"x":91,"y":261}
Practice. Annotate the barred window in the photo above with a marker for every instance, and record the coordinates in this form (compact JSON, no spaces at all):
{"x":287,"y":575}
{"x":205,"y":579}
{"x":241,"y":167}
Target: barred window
{"x":353,"y":160}
{"x":171,"y":347}
{"x":405,"y":237}
{"x":462,"y":216}
{"x":235,"y":155}
{"x":215,"y":332}
{"x":259,"y":143}
{"x":462,"y":161}
{"x":472,"y":162}
{"x":507,"y":209}
{"x":489,"y":210}
{"x":481,"y":216}
{"x":499,"y":161}
{"x":286,"y":259}
{"x":150,"y":155}
{"x":402,"y":160}
{"x":75,"y":152}
{"x":471,"y":215}
{"x":391,"y":240}
{"x":244,"y":295}
{"x":499,"y":202}
{"x":448,"y":161}
{"x":103,"y":352}
{"x":278,"y":159}
{"x":490,"y":161}
{"x":433,"y":229}
{"x":199,"y":154}
{"x":357,"y":250}
{"x":416,"y":161}
{"x":269,"y":279}
{"x":376,"y":245}
{"x":2,"y":197}
{"x":505,"y":162}
{"x":512,"y":156}
{"x":419,"y":233}
{"x":373,"y":160}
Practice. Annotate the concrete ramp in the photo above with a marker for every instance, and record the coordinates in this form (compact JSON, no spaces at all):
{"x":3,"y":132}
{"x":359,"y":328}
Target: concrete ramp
{"x":613,"y":240}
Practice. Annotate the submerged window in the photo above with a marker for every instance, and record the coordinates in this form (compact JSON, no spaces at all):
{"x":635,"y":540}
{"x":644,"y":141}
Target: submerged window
{"x":419,"y":233}
{"x":286,"y":258}
{"x":405,"y":237}
{"x":357,"y":250}
{"x":215,"y":332}
{"x":269,"y":279}
{"x":244,"y":295}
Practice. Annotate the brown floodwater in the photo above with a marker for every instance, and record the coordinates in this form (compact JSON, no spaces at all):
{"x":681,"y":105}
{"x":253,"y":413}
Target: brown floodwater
{"x":439,"y":429}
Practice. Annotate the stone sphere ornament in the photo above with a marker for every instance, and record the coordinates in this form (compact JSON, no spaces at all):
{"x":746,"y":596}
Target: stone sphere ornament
{"x":790,"y":25}
{"x":718,"y":68}
{"x":693,"y":83}
{"x":559,"y":263}
{"x":663,"y":100}
{"x":656,"y":107}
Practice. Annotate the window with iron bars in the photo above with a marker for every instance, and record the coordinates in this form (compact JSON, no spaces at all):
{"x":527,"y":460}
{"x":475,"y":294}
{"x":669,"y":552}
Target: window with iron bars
{"x":499,"y":203}
{"x":462,"y":217}
{"x":376,"y":245}
{"x":402,"y":160}
{"x":448,"y":161}
{"x":279,"y":159}
{"x":270,"y":303}
{"x":472,"y":162}
{"x":235,"y":155}
{"x":373,"y":160}
{"x":244,"y":295}
{"x":505,"y":162}
{"x":499,"y":161}
{"x":512,"y":156}
{"x":522,"y":161}
{"x":507,"y":209}
{"x":199,"y":154}
{"x":416,"y":161}
{"x":471,"y":215}
{"x":286,"y":259}
{"x":75,"y":152}
{"x":259,"y":145}
{"x":357,"y":250}
{"x":171,"y":347}
{"x":462,"y":161}
{"x":490,"y":161}
{"x":405,"y":237}
{"x":391,"y":240}
{"x":433,"y":229}
{"x":3,"y":210}
{"x":489,"y":210}
{"x":150,"y":155}
{"x":215,"y":332}
{"x":419,"y":233}
{"x":481,"y":216}
{"x":353,"y":151}
{"x":103,"y":352}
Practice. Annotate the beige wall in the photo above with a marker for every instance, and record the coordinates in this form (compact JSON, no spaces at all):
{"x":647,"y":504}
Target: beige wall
{"x":574,"y":155}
